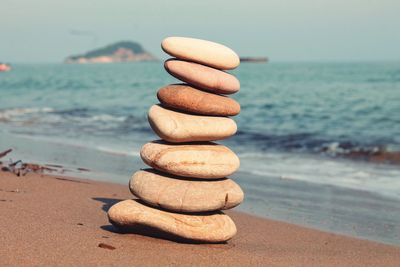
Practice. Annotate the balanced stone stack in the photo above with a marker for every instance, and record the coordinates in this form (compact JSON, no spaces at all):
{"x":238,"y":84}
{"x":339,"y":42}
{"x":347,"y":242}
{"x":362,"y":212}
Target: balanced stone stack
{"x":187,"y":186}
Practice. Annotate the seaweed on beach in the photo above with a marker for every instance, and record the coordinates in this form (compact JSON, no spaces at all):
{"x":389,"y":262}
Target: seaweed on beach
{"x":20,"y":168}
{"x":4,"y":153}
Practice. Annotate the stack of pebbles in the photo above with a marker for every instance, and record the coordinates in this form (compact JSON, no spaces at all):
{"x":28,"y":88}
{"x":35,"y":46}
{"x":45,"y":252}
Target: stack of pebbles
{"x":183,"y":193}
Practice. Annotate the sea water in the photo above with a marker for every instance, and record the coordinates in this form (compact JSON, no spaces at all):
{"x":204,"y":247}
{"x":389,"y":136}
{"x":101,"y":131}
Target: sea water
{"x":298,"y":122}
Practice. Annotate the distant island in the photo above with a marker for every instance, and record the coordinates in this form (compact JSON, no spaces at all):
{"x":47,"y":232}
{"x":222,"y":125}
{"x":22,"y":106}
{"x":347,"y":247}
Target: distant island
{"x":125,"y":51}
{"x":254,"y":59}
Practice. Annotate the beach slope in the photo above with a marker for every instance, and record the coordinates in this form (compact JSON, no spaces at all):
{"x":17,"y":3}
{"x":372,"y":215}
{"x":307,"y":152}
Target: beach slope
{"x":51,"y":220}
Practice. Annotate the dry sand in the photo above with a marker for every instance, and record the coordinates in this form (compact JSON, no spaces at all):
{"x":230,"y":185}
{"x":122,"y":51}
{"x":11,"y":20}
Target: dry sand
{"x":49,"y":220}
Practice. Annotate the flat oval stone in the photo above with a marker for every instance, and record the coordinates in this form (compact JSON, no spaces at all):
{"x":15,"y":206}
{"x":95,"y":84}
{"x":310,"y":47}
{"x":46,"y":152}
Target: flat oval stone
{"x":201,"y":51}
{"x":188,"y":99}
{"x":203,"y":77}
{"x":179,"y":127}
{"x":200,"y":160}
{"x":183,"y":195}
{"x":210,"y":227}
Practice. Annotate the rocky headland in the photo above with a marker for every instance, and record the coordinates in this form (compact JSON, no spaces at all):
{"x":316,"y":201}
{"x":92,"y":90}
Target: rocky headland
{"x":124,"y":51}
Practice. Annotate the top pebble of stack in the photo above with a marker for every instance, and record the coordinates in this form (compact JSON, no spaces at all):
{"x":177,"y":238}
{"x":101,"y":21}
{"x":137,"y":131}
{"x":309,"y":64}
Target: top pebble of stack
{"x":201,"y":51}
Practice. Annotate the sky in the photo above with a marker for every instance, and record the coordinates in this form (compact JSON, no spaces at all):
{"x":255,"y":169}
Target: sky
{"x":297,"y":30}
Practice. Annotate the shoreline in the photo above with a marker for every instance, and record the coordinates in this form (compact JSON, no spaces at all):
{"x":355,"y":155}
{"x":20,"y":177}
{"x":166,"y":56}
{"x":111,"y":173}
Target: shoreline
{"x":48,"y":219}
{"x":26,"y":147}
{"x":351,"y":212}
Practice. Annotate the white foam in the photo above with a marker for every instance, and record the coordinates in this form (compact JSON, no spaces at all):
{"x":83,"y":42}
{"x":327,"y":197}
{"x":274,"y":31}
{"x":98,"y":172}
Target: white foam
{"x":116,"y":151}
{"x":8,"y":114}
{"x":107,"y":118}
{"x":383,"y":179}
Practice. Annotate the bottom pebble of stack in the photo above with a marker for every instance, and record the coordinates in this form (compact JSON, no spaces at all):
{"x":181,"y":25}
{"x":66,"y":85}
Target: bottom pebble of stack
{"x":213,"y":227}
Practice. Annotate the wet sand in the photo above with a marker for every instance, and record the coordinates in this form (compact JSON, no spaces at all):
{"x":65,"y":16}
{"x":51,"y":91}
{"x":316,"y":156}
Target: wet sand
{"x":51,"y":220}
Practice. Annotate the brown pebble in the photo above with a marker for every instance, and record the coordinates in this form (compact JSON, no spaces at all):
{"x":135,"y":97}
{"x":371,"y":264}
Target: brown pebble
{"x":186,"y":98}
{"x":201,"y":51}
{"x":181,"y":195}
{"x":210,"y":227}
{"x":206,"y":78}
{"x":178,"y":127}
{"x":204,"y":160}
{"x":106,"y":246}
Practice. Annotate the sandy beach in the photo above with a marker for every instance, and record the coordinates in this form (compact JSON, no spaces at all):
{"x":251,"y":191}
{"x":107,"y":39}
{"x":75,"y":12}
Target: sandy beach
{"x":54,"y":220}
{"x":257,"y":133}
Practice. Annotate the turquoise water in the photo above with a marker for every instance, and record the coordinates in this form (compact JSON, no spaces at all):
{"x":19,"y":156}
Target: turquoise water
{"x":299,"y":122}
{"x":297,"y":119}
{"x":285,"y":106}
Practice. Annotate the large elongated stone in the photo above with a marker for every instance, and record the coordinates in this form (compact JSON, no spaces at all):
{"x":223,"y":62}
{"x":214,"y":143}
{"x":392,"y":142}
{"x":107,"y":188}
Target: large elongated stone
{"x":201,"y":51}
{"x":188,"y":99}
{"x":179,"y":127}
{"x":185,"y":195}
{"x":210,"y":227}
{"x":201,"y":160}
{"x":204,"y":77}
